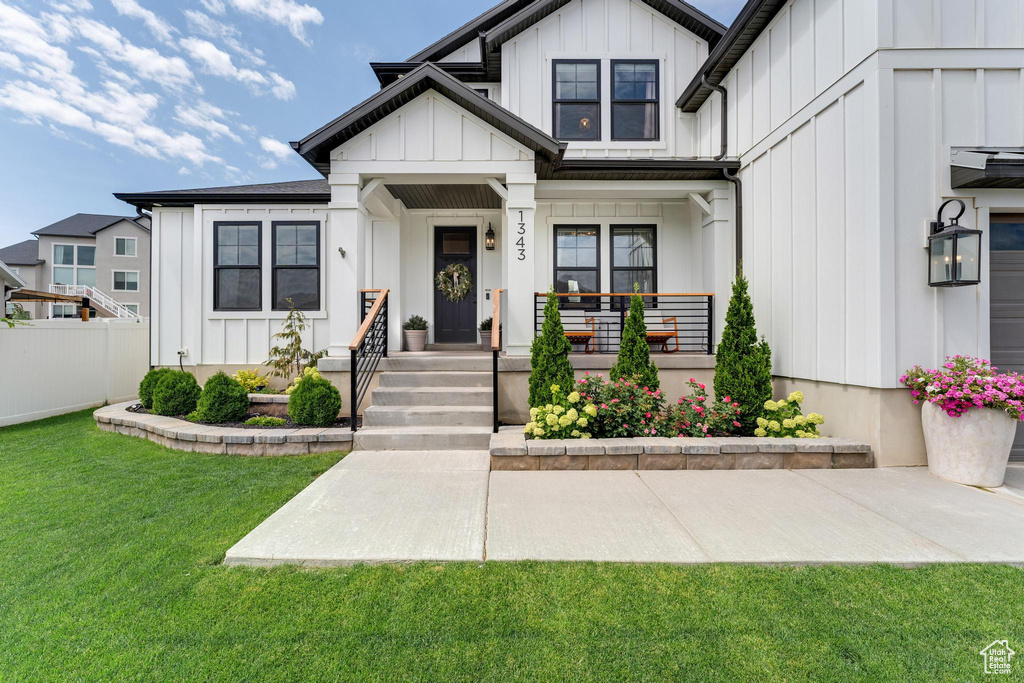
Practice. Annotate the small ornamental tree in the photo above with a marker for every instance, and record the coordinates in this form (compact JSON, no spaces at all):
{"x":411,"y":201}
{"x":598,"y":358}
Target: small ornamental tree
{"x":743,"y":366}
{"x":634,"y":362}
{"x":290,"y":359}
{"x":549,"y":356}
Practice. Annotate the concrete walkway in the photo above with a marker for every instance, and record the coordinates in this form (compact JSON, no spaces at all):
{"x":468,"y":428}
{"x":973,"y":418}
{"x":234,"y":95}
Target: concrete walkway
{"x":446,"y":506}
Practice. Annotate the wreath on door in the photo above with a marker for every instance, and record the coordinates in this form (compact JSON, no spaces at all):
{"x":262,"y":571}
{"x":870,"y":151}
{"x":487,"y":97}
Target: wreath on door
{"x":454,"y":281}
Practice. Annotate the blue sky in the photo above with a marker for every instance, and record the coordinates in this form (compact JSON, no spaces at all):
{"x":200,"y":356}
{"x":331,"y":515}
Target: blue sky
{"x":98,"y":96}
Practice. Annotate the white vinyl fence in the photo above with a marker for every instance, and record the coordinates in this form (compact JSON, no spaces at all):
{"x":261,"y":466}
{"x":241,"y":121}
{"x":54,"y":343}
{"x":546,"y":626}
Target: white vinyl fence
{"x":57,"y":366}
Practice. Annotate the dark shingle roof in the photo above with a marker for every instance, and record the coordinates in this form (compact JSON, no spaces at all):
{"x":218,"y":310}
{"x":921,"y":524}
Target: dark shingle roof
{"x":81,"y":225}
{"x":315,"y":191}
{"x":21,"y":254}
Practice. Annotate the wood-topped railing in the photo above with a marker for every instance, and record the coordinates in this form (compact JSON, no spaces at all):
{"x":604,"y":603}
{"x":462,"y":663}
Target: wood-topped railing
{"x":368,"y":346}
{"x":495,"y":349}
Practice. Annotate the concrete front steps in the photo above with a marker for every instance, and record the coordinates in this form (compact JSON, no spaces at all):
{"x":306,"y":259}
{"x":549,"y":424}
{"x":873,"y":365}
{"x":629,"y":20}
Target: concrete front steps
{"x":429,"y":405}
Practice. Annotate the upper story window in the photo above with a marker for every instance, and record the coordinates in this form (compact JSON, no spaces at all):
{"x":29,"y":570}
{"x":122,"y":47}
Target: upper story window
{"x":74,"y":265}
{"x":577,"y":99}
{"x":124,"y":246}
{"x":296,"y":266}
{"x":126,"y":280}
{"x":237,"y":280}
{"x":635,"y":103}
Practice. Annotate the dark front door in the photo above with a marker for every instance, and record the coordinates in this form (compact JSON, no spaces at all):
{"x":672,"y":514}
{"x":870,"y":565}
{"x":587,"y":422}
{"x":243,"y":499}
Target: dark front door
{"x":1006,"y":297}
{"x":455,"y":321}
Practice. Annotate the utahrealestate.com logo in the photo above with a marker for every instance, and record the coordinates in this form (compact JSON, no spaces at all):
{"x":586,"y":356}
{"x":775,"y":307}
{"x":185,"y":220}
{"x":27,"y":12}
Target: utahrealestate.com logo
{"x":997,"y":657}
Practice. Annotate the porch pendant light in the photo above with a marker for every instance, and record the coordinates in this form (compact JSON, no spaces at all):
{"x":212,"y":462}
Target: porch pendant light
{"x":954,"y":252}
{"x":489,"y":238}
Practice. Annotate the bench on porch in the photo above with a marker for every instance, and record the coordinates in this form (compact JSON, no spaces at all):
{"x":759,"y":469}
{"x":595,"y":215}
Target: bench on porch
{"x":655,"y":337}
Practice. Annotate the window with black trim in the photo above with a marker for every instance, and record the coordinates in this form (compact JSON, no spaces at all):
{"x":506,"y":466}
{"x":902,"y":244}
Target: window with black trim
{"x":635,"y":104}
{"x":577,"y":263}
{"x":576,"y":96}
{"x":634,"y":258}
{"x":296,"y":265}
{"x":237,"y":262}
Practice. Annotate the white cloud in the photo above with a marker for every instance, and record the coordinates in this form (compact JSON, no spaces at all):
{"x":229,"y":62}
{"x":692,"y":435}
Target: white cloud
{"x":224,"y":33}
{"x":214,"y":6}
{"x":184,"y":171}
{"x":71,"y":6}
{"x":208,"y":117}
{"x":283,"y":89}
{"x":160,"y":29}
{"x":170,"y":72}
{"x":287,"y":13}
{"x":277,"y":152}
{"x":216,"y":62}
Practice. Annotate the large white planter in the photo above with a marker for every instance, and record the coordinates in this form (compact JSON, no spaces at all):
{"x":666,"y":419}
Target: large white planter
{"x":415,"y":340}
{"x":972,"y":449}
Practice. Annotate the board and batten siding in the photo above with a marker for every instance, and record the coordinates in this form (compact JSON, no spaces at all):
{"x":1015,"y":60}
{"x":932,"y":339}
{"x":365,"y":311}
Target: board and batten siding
{"x":183,"y":315}
{"x":603,"y":29}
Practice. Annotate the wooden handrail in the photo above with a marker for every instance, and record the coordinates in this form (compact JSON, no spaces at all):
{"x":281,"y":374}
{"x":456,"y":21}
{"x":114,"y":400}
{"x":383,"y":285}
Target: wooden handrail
{"x":627,"y":294}
{"x":496,"y":321}
{"x":368,"y":320}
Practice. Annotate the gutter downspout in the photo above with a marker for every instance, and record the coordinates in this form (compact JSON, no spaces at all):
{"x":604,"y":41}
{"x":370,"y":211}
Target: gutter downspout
{"x":734,"y":178}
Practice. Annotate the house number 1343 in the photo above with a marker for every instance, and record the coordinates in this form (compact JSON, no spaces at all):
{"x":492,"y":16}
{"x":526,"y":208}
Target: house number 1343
{"x":521,"y":240}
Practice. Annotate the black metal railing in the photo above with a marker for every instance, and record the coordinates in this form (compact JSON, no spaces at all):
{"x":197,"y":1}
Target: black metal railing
{"x":368,"y":346}
{"x":593,"y":323}
{"x":495,"y":349}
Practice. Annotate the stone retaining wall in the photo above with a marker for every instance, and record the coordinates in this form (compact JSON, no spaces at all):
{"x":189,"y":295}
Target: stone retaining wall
{"x":511,"y":451}
{"x":187,"y":436}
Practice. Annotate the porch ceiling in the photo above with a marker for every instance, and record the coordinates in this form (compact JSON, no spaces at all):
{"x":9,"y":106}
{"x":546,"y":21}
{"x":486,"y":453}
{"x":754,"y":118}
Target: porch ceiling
{"x":462,"y":196}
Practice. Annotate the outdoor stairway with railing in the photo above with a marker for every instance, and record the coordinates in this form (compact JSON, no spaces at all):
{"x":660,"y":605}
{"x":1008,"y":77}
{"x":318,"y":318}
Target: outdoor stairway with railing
{"x":96,"y":297}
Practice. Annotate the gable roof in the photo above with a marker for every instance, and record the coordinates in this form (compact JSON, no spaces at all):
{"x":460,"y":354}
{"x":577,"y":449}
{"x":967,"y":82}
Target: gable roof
{"x":84,"y":225}
{"x":21,"y":254}
{"x":744,"y":30}
{"x":316,"y":147}
{"x":9,"y":278}
{"x":315,"y":191}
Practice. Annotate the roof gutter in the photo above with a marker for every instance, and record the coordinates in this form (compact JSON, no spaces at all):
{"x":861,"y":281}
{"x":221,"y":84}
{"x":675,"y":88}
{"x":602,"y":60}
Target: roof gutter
{"x":717,"y":87}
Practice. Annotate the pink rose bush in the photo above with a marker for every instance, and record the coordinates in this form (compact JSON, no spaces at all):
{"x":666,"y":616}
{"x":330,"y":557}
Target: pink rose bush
{"x":697,"y":415}
{"x":963,"y":383}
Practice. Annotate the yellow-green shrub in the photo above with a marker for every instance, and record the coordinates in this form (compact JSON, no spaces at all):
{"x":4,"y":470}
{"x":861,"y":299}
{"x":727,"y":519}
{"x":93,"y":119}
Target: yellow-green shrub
{"x":783,"y":418}
{"x":565,"y":417}
{"x":310,"y":371}
{"x":252,"y":380}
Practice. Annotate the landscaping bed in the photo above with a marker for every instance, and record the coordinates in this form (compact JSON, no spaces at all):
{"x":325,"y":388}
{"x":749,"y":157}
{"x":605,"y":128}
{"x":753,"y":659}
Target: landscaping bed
{"x":341,"y":423}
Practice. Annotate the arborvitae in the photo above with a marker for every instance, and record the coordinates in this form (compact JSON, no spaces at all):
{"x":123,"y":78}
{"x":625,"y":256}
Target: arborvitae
{"x":634,"y":360}
{"x":549,"y":356}
{"x":743,"y":366}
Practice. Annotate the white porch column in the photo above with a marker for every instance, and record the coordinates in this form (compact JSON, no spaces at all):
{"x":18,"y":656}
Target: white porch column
{"x":720,"y":228}
{"x":520,"y":250}
{"x":346,"y":275}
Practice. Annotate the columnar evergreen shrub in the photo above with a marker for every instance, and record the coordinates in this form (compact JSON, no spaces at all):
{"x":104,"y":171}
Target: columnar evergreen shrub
{"x":177,"y":393}
{"x":314,"y":402}
{"x":634,"y":361}
{"x":148,"y":385}
{"x":743,"y":365}
{"x":549,"y":356}
{"x":223,"y":400}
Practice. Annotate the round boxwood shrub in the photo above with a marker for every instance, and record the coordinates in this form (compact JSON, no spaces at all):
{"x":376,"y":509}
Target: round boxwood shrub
{"x":148,"y":385}
{"x":314,"y":402}
{"x":223,"y":400}
{"x":176,"y":394}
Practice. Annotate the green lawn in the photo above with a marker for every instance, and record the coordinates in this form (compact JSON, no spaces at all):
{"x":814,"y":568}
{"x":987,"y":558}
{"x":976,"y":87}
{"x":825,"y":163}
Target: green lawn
{"x":110,"y":552}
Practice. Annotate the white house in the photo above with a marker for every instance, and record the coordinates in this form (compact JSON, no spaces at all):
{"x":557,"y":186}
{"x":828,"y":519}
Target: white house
{"x":605,"y":142}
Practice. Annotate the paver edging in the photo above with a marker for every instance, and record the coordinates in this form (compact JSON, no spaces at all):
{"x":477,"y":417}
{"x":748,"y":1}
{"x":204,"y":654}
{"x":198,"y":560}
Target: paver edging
{"x":511,"y":451}
{"x":182,"y":435}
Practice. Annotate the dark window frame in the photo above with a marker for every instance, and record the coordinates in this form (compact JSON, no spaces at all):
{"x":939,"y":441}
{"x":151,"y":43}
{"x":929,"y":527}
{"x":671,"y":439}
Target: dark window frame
{"x":555,"y":101}
{"x":587,"y":303}
{"x":656,"y":101}
{"x":1002,"y":219}
{"x":651,"y":302}
{"x":216,"y":267}
{"x":274,"y":267}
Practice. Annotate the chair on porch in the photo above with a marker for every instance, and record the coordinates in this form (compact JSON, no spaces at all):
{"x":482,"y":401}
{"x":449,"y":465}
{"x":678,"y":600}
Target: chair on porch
{"x":585,"y":337}
{"x":662,"y":337}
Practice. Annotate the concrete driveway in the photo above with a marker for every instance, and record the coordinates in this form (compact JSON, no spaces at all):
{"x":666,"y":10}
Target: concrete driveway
{"x":446,"y":506}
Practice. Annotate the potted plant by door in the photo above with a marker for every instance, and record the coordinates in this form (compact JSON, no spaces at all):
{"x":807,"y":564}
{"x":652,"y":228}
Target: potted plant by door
{"x":970,"y":414}
{"x":415,"y":333}
{"x":485,"y":334}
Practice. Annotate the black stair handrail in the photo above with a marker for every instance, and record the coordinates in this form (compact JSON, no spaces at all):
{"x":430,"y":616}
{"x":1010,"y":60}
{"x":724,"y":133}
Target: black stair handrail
{"x":495,"y":349}
{"x":368,"y":346}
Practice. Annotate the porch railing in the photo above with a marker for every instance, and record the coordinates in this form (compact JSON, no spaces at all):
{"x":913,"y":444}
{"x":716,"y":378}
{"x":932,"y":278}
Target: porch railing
{"x":593,"y":323}
{"x":368,"y":346}
{"x":495,"y":349}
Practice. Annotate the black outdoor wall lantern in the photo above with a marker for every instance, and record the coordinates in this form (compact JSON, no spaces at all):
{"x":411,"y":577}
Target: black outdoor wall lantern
{"x":954,"y":252}
{"x":489,"y":238}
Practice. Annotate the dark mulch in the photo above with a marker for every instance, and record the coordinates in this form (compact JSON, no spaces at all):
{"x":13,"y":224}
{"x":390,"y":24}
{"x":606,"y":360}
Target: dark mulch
{"x":342,"y":423}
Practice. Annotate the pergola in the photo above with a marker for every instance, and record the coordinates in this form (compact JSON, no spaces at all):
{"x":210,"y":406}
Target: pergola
{"x":34,"y":296}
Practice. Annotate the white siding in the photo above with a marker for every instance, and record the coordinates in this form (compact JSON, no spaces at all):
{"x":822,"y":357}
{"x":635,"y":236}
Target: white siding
{"x":469,"y":52}
{"x":954,"y":23}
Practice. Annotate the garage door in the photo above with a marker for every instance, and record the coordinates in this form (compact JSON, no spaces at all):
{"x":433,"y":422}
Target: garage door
{"x":1006,"y":246}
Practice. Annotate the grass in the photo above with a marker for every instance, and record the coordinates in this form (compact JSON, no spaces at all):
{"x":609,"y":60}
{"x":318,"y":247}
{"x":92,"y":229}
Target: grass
{"x":110,"y":551}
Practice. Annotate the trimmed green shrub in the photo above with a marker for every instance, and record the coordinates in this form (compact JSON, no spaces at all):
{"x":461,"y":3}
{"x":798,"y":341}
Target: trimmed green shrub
{"x":314,"y":402}
{"x":148,"y":385}
{"x":223,"y":400}
{"x":549,"y":356}
{"x":743,"y":366}
{"x":634,"y":361}
{"x":266,"y":421}
{"x":177,"y":393}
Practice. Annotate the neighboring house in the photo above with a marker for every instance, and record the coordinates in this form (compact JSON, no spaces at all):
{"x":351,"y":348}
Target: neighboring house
{"x":601,"y":143}
{"x":109,"y":255}
{"x":23,"y":260}
{"x":9,"y":280}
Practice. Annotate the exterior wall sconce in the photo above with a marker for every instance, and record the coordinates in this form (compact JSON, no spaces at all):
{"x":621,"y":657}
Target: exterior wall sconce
{"x":489,"y":238}
{"x":954,"y":252}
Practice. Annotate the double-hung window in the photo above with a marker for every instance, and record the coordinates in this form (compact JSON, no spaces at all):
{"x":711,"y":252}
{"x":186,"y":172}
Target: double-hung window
{"x":577,"y":263}
{"x":237,"y":280}
{"x":635,"y":104}
{"x":124,"y":246}
{"x":634,"y":259}
{"x":296,"y":266}
{"x":577,"y":99}
{"x":126,"y":280}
